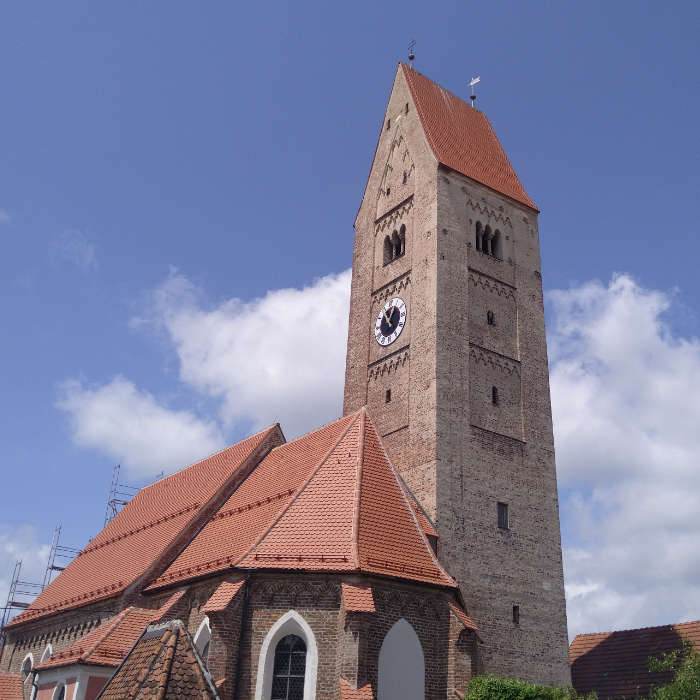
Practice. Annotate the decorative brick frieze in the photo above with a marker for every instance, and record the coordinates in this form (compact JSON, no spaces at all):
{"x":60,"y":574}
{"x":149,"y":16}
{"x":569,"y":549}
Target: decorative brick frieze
{"x":494,"y":360}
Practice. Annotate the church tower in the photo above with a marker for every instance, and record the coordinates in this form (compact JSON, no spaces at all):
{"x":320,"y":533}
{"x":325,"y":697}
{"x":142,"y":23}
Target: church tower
{"x":447,"y":348}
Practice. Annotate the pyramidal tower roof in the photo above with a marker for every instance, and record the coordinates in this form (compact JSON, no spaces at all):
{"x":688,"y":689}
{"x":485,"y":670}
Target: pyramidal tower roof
{"x":462,"y":138}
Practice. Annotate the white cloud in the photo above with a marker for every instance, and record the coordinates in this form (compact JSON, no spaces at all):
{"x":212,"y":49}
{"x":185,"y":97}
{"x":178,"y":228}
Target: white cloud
{"x":73,"y":247}
{"x":20,"y":543}
{"x":132,"y":428}
{"x":4,"y":217}
{"x":626,"y":403}
{"x":277,"y":358}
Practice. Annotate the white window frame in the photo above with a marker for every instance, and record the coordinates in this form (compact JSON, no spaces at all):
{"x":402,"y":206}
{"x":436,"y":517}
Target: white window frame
{"x":29,"y":656}
{"x":203,"y":635}
{"x":290,"y":623}
{"x":46,"y":653}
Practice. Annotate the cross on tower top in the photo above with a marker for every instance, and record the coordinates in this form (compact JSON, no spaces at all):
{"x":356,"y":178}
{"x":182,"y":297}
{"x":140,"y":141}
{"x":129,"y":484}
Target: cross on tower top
{"x":411,"y":55}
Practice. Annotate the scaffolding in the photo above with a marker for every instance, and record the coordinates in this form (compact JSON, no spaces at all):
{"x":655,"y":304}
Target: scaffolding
{"x":59,"y":557}
{"x":119,"y":494}
{"x":19,"y":597}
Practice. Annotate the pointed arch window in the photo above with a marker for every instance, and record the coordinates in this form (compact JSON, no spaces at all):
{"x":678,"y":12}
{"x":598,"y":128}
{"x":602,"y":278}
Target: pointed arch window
{"x":289,"y":669}
{"x":27,"y":666}
{"x":288,"y":661}
{"x":202,"y":639}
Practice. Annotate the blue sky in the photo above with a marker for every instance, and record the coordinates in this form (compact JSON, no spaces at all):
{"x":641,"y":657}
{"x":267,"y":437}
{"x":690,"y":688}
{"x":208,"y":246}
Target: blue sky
{"x":176,"y":177}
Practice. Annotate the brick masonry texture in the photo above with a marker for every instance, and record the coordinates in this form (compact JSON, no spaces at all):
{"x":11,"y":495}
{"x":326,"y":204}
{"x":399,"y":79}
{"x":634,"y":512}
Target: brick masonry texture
{"x":458,"y":452}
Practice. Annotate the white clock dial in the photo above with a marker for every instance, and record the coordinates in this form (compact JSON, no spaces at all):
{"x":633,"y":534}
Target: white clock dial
{"x":390,"y":321}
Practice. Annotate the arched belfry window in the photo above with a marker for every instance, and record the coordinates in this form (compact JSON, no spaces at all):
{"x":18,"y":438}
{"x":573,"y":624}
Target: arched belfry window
{"x":388,"y":250}
{"x":496,"y":245}
{"x":288,"y":661}
{"x":289,"y":669}
{"x":395,"y":245}
{"x":401,"y":665}
{"x":479,"y":234}
{"x":486,"y":241}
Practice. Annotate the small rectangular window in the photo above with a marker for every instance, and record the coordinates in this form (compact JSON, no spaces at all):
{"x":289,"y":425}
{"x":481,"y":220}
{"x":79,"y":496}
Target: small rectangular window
{"x":503,"y":523}
{"x":516,"y":614}
{"x":494,"y":395}
{"x":387,"y":397}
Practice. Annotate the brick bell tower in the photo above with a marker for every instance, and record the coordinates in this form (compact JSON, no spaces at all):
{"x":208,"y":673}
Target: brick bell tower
{"x":447,"y":348}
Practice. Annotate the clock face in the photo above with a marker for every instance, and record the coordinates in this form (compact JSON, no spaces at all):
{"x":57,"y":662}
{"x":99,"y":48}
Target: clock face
{"x":390,"y":322}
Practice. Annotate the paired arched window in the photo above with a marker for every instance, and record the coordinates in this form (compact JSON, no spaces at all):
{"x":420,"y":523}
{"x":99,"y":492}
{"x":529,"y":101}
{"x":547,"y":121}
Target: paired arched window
{"x":288,"y":661}
{"x":289,"y":669}
{"x":401,"y":665}
{"x":395,"y":245}
{"x":488,"y":241}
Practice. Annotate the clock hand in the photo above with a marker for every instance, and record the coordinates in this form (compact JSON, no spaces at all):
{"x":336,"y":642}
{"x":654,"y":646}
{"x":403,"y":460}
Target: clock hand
{"x":388,"y":318}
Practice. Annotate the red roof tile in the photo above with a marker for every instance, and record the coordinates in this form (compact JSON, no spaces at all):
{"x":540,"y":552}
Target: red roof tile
{"x":464,"y":618}
{"x":358,"y":598}
{"x":328,"y":501}
{"x":347,"y":692}
{"x":105,"y":645}
{"x":462,"y":138}
{"x":222,"y":596}
{"x":614,"y":664}
{"x":257,"y":502}
{"x":10,"y":687}
{"x":150,"y":523}
{"x":164,"y":663}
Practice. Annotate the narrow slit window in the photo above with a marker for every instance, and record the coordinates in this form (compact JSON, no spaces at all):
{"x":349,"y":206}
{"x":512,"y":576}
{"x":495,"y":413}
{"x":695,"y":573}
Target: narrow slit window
{"x":503,"y":520}
{"x":516,"y":614}
{"x":494,"y":395}
{"x":387,"y":397}
{"x":491,"y":318}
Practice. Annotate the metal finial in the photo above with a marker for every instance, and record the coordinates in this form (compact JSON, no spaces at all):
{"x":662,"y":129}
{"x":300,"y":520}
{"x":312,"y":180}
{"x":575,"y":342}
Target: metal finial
{"x":472,"y":85}
{"x":411,"y":55}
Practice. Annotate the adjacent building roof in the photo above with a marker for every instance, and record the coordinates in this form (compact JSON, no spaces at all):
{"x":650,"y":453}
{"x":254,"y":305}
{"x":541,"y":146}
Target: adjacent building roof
{"x":462,"y":616}
{"x":462,"y":138}
{"x":142,"y":532}
{"x":109,"y":643}
{"x":614,"y":664}
{"x":10,"y":687}
{"x":164,"y":663}
{"x":329,"y":501}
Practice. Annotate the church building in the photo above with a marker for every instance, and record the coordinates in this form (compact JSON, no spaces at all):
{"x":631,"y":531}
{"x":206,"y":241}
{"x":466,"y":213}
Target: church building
{"x":392,"y":554}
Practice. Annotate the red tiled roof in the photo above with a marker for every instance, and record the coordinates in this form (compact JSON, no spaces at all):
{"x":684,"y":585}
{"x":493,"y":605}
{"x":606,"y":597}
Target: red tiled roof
{"x":162,"y":664}
{"x":347,"y":692}
{"x":358,"y":598}
{"x":328,"y":501}
{"x":109,"y":643}
{"x":614,"y":664}
{"x":462,"y":138}
{"x":222,"y":596}
{"x":150,"y":523}
{"x":464,"y":618}
{"x":10,"y":687}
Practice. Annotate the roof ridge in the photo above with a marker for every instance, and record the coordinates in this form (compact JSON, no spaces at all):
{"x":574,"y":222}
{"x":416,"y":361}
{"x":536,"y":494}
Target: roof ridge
{"x":300,"y":490}
{"x":634,"y":629}
{"x":412,"y":512}
{"x":357,"y":500}
{"x":213,"y":454}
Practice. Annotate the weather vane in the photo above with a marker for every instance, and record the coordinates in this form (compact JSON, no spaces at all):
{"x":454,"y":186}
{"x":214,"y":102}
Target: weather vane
{"x":411,"y":55}
{"x":472,"y":85}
